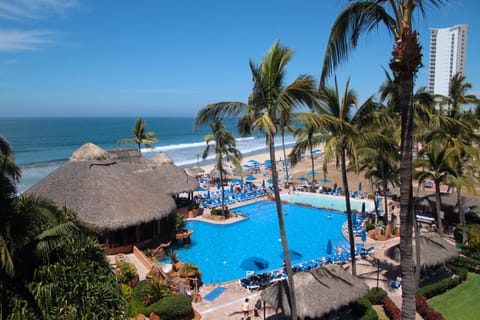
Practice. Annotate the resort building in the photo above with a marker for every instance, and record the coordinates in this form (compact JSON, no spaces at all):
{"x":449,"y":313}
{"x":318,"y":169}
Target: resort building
{"x":448,"y":50}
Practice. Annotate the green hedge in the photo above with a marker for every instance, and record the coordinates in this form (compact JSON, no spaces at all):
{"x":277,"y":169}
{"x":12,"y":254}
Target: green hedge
{"x":440,"y":287}
{"x":172,"y":308}
{"x":376,"y":295}
{"x":363,"y":309}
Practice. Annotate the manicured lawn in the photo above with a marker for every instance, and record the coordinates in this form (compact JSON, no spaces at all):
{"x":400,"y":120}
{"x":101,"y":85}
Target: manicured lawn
{"x":460,"y":302}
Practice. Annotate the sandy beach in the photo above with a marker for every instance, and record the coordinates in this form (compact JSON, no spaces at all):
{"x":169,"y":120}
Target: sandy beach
{"x":301,"y":169}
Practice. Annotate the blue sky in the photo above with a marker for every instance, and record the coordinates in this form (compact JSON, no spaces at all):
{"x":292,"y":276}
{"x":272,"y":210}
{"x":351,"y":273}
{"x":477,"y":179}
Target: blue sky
{"x":170,"y":58}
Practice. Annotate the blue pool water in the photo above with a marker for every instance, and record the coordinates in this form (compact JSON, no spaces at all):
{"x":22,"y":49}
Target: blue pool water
{"x":219,"y":250}
{"x":328,"y":201}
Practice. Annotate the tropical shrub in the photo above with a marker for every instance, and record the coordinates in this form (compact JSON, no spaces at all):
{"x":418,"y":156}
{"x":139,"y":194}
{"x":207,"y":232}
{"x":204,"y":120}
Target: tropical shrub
{"x":180,"y":223}
{"x":391,"y":309}
{"x":440,"y":287}
{"x":425,"y":311}
{"x":362,"y":308}
{"x":218,"y":212}
{"x":126,"y":272}
{"x":376,"y":295}
{"x":173,"y":308}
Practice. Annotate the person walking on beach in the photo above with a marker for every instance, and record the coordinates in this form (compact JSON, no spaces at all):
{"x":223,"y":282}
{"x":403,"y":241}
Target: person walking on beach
{"x":245,"y":308}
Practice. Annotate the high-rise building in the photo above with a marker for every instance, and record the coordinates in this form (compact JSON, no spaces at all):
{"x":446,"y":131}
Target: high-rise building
{"x":448,"y":50}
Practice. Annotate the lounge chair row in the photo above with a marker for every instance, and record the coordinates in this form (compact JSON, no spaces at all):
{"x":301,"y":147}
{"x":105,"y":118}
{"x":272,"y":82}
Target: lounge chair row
{"x":255,"y":281}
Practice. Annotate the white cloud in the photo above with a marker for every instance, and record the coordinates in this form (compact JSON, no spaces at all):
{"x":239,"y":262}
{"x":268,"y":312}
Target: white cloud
{"x":22,"y":10}
{"x":16,"y":40}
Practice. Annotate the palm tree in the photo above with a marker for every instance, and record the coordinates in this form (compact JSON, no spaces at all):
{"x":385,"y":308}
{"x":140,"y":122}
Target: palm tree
{"x":268,"y":100}
{"x":308,"y":136}
{"x":457,"y":95}
{"x":434,"y":163}
{"x":341,"y":140}
{"x":362,"y":17}
{"x":224,"y":146}
{"x":380,"y":163}
{"x":140,"y":136}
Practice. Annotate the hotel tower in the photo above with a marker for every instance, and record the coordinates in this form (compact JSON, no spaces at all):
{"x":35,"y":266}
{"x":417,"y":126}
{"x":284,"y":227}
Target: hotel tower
{"x":448,"y":50}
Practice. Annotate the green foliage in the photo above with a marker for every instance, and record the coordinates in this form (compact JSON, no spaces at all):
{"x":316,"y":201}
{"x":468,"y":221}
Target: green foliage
{"x":126,"y":273}
{"x":190,"y":267}
{"x":362,"y":308}
{"x":180,"y":223}
{"x":173,"y":256}
{"x":157,"y":291}
{"x":376,"y":295}
{"x":445,"y":284}
{"x":79,"y":285}
{"x":218,"y":212}
{"x":173,"y":308}
{"x":127,"y":291}
{"x":370,"y":226}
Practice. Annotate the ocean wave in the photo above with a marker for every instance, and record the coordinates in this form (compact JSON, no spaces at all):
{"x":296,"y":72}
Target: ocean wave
{"x":185,"y":145}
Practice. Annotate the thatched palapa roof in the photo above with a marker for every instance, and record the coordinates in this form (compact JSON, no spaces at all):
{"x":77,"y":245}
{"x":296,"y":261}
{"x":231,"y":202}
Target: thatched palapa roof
{"x":434,"y":250}
{"x":318,"y":292}
{"x":161,"y":173}
{"x":110,"y":190}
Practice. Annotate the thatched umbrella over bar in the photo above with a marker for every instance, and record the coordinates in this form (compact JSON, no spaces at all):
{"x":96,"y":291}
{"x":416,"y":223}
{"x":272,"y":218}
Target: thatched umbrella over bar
{"x":103,"y":192}
{"x":434,"y":250}
{"x":318,"y":292}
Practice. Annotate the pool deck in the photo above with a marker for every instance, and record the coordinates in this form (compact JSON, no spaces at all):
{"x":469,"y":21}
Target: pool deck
{"x":227,"y":304}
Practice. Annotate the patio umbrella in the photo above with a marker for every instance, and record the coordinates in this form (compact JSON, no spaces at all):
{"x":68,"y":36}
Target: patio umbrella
{"x":236,"y":180}
{"x":250,"y":178}
{"x":329,"y":247}
{"x":255,"y":162}
{"x":294,"y":255}
{"x":312,"y":172}
{"x":364,"y":235}
{"x":302,"y":179}
{"x":271,"y":181}
{"x":316,"y":151}
{"x":325,"y":180}
{"x":254,"y":264}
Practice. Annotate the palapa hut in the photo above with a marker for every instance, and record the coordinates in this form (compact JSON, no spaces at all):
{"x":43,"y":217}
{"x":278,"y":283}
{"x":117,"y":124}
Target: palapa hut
{"x":109,"y":190}
{"x":318,"y":292}
{"x":434,"y":250}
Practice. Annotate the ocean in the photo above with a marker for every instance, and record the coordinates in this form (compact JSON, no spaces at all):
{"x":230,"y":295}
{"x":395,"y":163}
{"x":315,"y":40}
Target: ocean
{"x":41,"y":145}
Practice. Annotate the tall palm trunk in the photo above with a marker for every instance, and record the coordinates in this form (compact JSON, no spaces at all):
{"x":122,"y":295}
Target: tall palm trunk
{"x":281,"y":224}
{"x":438,"y":200}
{"x":285,"y":156}
{"x":404,"y":64}
{"x":223,"y":188}
{"x":406,"y":211}
{"x":351,"y":238}
{"x":461,"y":213}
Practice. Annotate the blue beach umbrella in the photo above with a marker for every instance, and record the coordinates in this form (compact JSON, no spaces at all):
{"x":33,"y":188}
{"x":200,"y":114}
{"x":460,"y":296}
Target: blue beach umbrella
{"x":255,"y":162}
{"x":250,"y":178}
{"x":364,"y":235}
{"x":329,"y":247}
{"x":312,"y":172}
{"x":271,"y":181}
{"x":302,"y":179}
{"x":236,"y":180}
{"x":294,"y":255}
{"x":325,"y":180}
{"x":316,"y":151}
{"x":254,"y":264}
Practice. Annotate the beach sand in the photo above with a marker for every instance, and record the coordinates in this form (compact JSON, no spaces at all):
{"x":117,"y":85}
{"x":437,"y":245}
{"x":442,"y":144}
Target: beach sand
{"x":301,"y":169}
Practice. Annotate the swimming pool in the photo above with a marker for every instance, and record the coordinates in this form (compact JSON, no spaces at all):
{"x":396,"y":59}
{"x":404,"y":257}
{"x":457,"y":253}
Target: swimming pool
{"x":219,"y":250}
{"x":320,"y":200}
